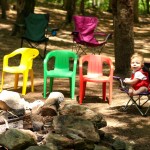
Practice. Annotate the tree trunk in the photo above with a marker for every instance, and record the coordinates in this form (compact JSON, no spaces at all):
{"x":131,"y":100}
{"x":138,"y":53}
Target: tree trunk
{"x":136,"y":11}
{"x":82,"y":7}
{"x":4,"y":5}
{"x":70,"y":7}
{"x":110,"y":6}
{"x":147,"y":6}
{"x":123,"y":34}
{"x":24,"y":7}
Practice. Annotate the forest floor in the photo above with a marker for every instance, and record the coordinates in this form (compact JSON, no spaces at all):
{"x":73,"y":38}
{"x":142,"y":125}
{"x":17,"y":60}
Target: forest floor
{"x":130,"y":125}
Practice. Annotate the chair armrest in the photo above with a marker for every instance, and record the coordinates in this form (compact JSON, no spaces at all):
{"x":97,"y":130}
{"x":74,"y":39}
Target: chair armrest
{"x":6,"y":57}
{"x":75,"y":33}
{"x":100,"y":33}
{"x":53,"y":31}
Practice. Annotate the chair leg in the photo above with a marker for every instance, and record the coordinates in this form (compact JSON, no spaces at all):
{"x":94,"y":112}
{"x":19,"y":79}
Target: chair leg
{"x":110,"y":92}
{"x":72,"y":87}
{"x":2,"y":81}
{"x":25,"y":79}
{"x":84,"y":88}
{"x":81,"y":91}
{"x":44,"y":88}
{"x":104,"y":90}
{"x":21,"y":42}
{"x":16,"y":80}
{"x":32,"y":80}
{"x":51,"y":84}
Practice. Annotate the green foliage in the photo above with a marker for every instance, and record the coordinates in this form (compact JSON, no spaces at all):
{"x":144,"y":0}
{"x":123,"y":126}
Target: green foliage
{"x":142,"y":7}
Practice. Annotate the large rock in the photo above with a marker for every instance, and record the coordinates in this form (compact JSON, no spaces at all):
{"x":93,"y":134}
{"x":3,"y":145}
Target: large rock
{"x":17,"y":139}
{"x":84,"y":112}
{"x":80,"y":130}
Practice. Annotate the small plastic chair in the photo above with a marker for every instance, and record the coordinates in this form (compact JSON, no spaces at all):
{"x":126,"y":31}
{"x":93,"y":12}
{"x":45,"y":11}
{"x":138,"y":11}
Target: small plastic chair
{"x":94,"y":73}
{"x":62,"y":68}
{"x":25,"y":66}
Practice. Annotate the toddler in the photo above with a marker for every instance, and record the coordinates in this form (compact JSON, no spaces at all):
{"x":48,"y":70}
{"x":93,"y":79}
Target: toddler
{"x":139,"y":79}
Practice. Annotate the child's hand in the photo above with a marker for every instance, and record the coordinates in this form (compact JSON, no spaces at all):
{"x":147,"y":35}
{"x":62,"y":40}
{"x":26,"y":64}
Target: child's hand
{"x":127,"y":80}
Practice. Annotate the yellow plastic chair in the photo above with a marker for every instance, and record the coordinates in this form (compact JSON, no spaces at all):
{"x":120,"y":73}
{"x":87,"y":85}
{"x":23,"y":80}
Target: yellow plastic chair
{"x":25,"y":67}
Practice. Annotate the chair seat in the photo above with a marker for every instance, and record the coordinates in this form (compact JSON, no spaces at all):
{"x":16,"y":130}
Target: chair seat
{"x":96,"y":78}
{"x":60,"y":74}
{"x":44,"y":39}
{"x":16,"y":69}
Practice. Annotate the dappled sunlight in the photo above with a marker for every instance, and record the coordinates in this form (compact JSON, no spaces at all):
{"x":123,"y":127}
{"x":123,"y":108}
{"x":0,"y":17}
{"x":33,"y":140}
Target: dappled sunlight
{"x":128,"y":125}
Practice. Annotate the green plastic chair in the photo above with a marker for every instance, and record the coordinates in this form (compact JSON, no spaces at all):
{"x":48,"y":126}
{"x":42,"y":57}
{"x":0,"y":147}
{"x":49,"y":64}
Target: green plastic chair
{"x":61,"y":69}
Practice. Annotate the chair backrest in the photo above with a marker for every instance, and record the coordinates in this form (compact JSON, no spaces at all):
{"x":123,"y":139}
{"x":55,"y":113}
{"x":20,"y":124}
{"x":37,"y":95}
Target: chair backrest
{"x":36,"y":25}
{"x":146,"y":68}
{"x":27,"y":56}
{"x":85,"y":26}
{"x":62,"y":58}
{"x":95,"y":63}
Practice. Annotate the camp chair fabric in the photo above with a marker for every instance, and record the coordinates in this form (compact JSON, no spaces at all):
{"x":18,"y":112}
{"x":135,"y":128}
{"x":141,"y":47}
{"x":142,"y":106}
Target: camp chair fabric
{"x":141,"y":100}
{"x":95,"y":73}
{"x":84,"y":35}
{"x":36,"y":27}
{"x":61,"y":69}
{"x":25,"y":66}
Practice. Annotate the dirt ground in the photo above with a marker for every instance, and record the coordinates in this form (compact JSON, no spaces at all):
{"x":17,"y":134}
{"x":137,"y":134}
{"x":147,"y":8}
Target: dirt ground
{"x":130,"y":125}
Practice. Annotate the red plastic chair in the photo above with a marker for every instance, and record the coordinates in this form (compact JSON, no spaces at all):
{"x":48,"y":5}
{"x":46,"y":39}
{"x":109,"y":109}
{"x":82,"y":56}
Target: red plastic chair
{"x":94,"y":73}
{"x":85,"y":35}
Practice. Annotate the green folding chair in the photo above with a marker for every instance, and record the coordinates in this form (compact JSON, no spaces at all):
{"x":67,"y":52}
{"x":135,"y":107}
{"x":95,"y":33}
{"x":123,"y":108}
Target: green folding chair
{"x":36,"y":31}
{"x":62,"y":68}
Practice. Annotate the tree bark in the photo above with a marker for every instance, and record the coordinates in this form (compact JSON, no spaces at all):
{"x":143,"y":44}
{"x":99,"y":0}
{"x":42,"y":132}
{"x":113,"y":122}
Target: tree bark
{"x":70,"y":8}
{"x":123,"y":34}
{"x":136,"y":11}
{"x":4,"y":5}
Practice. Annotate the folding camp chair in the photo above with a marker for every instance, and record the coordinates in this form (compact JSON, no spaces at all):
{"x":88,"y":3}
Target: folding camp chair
{"x":36,"y":31}
{"x":140,"y":100}
{"x":84,"y":35}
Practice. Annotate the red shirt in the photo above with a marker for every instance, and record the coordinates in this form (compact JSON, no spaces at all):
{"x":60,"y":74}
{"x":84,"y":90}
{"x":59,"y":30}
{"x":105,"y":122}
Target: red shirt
{"x":141,"y":83}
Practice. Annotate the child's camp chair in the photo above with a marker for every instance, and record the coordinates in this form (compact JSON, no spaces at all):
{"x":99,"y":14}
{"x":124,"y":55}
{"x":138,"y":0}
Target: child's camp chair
{"x":140,"y":100}
{"x":85,"y":36}
{"x":36,"y":31}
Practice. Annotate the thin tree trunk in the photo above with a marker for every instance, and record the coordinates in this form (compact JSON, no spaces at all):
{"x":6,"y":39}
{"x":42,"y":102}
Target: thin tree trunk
{"x":24,"y":7}
{"x":4,"y":8}
{"x":136,"y":11}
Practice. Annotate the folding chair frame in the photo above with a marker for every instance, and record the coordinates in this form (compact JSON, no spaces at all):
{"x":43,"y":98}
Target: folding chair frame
{"x":135,"y":100}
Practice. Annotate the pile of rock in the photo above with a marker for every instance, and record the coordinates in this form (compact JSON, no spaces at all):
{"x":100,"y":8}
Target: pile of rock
{"x":66,"y":127}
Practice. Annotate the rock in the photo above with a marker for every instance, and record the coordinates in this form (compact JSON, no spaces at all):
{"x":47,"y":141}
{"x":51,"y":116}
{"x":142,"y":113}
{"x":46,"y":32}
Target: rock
{"x":41,"y":147}
{"x":59,"y":140}
{"x":84,"y":112}
{"x":80,"y":130}
{"x":56,"y":95}
{"x":17,"y":139}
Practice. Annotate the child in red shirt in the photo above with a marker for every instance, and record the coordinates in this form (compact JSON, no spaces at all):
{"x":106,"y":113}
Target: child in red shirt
{"x":139,"y":80}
